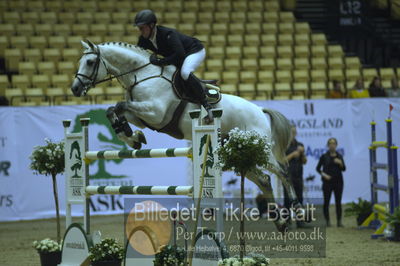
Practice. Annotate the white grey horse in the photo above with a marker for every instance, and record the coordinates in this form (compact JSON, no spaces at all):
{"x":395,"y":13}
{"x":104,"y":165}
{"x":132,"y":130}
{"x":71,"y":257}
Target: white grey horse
{"x":151,"y":102}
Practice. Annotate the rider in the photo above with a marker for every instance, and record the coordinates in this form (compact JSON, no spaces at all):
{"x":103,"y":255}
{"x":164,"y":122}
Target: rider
{"x":183,"y":51}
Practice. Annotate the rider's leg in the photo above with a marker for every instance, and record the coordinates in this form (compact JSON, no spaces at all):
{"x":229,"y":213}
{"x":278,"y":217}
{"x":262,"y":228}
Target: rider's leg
{"x":190,"y":65}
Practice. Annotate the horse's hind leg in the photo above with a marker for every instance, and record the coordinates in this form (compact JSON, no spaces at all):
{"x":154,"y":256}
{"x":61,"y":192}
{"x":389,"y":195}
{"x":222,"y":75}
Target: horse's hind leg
{"x":263,"y":181}
{"x":124,"y":132}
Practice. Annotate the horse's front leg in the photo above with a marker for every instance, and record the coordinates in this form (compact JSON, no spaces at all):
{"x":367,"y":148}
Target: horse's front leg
{"x":121,"y":127}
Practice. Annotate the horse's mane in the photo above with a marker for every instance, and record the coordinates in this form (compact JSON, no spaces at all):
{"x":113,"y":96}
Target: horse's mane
{"x":128,"y":46}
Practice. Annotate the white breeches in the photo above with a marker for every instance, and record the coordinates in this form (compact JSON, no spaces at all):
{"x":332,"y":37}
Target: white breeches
{"x":192,"y":62}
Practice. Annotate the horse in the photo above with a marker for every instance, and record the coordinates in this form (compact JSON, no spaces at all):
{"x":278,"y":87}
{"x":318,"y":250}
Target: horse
{"x":151,"y":102}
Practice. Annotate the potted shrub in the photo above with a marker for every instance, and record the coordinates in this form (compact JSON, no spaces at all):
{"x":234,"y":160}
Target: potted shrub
{"x":362,"y":210}
{"x":242,"y":152}
{"x":394,"y":221}
{"x":49,"y":252}
{"x":49,"y":160}
{"x":106,"y":253}
{"x":170,"y":255}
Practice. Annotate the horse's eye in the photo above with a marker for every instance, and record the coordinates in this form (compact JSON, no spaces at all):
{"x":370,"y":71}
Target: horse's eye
{"x":89,"y":62}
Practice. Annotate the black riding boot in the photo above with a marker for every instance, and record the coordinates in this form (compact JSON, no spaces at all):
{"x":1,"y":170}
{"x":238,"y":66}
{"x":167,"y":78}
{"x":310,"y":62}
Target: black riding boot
{"x":198,"y":91}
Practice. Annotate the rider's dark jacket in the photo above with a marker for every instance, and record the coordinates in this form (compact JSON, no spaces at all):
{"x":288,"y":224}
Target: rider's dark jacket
{"x":173,"y":45}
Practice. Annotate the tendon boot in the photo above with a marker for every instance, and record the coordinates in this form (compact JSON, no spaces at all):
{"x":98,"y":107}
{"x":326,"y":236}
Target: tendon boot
{"x":198,"y":91}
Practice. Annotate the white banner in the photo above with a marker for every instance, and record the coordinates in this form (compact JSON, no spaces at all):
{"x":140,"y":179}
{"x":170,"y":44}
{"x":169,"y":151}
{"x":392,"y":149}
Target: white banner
{"x":24,"y":195}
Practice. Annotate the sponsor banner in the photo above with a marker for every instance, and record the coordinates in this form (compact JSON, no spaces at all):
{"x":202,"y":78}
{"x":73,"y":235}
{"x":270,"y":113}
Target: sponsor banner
{"x":24,"y":195}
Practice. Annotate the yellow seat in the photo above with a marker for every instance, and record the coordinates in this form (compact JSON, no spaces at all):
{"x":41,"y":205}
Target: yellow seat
{"x":230,"y":77}
{"x":302,"y":28}
{"x":251,"y":52}
{"x":301,"y":76}
{"x":125,"y":18}
{"x":272,"y":5}
{"x":126,"y":5}
{"x":39,"y":42}
{"x":264,"y":90}
{"x":255,"y":16}
{"x":235,"y":40}
{"x":54,"y":6}
{"x":268,"y":51}
{"x":25,"y":29}
{"x":286,"y":17}
{"x":203,"y":28}
{"x":66,"y":29}
{"x":12,"y":58}
{"x":283,"y":89}
{"x":33,"y":55}
{"x":44,"y":30}
{"x":236,"y":28}
{"x":15,"y":95}
{"x":387,"y":73}
{"x":369,"y":74}
{"x":252,"y":39}
{"x":41,"y":81}
{"x":247,"y":91}
{"x":301,"y":63}
{"x":335,"y":62}
{"x":268,"y":39}
{"x":318,"y":75}
{"x":7,"y":29}
{"x":229,"y":88}
{"x":318,"y":39}
{"x":52,"y":54}
{"x":214,"y":65}
{"x":301,"y":88}
{"x":84,"y":17}
{"x":174,"y":6}
{"x":47,"y":68}
{"x":335,"y":74}
{"x":269,"y":28}
{"x":267,"y":64}
{"x":216,"y":52}
{"x":302,"y":39}
{"x":74,"y":42}
{"x":218,"y":40}
{"x":238,"y":16}
{"x":285,"y":39}
{"x":271,"y":16}
{"x":186,"y":28}
{"x":58,"y":42}
{"x":253,"y":28}
{"x":248,"y":76}
{"x":205,"y":17}
{"x":302,"y":51}
{"x":319,"y":86}
{"x":203,"y":38}
{"x":352,"y":74}
{"x":71,"y":54}
{"x":35,"y":95}
{"x":221,"y":16}
{"x":99,"y":29}
{"x":249,"y":64}
{"x":286,"y":28}
{"x":203,"y":6}
{"x":21,"y":81}
{"x":255,"y":5}
{"x":223,"y":5}
{"x":72,"y":6}
{"x":27,"y":68}
{"x":55,"y":93}
{"x":233,"y":52}
{"x":352,"y":62}
{"x":4,"y":83}
{"x":212,"y":75}
{"x":67,"y":18}
{"x":285,"y":51}
{"x":318,"y":63}
{"x":20,"y":42}
{"x":4,"y":44}
{"x":232,"y":64}
{"x":189,"y":17}
{"x":335,"y":51}
{"x":284,"y":63}
{"x":169,"y":17}
{"x":318,"y":51}
{"x":81,"y":29}
{"x":12,"y":17}
{"x":61,"y":80}
{"x":266,"y":76}
{"x":102,"y":17}
{"x":283,"y":76}
{"x":220,"y":28}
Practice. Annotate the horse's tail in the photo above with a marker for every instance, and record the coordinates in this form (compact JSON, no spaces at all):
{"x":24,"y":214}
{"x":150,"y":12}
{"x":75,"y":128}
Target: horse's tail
{"x":281,"y":134}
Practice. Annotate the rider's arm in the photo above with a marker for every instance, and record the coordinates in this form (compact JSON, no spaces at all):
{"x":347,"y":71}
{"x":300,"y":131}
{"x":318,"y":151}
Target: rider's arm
{"x":175,"y":43}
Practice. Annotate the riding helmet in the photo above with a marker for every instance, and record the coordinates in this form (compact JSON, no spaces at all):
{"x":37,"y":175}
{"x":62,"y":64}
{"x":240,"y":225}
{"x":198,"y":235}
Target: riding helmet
{"x":145,"y":16}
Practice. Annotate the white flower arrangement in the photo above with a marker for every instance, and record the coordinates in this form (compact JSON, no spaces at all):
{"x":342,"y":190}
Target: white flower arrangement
{"x":244,"y":151}
{"x":48,"y":159}
{"x":252,"y":260}
{"x":47,"y":246}
{"x":107,"y":250}
{"x":170,"y":255}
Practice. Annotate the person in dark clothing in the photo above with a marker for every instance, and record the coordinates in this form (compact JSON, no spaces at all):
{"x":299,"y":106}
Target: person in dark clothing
{"x":375,"y":88}
{"x":183,"y":51}
{"x":332,"y":165}
{"x":296,"y":159}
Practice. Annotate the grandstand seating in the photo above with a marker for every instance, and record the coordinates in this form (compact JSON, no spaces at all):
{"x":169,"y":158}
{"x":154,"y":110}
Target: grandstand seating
{"x":254,"y":48}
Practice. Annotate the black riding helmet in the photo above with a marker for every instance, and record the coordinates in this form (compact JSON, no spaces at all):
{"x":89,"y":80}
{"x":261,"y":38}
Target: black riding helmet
{"x":145,"y":16}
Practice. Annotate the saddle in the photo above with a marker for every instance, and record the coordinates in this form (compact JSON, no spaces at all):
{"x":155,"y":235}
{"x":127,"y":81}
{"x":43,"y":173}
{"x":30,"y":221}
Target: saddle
{"x":212,"y":90}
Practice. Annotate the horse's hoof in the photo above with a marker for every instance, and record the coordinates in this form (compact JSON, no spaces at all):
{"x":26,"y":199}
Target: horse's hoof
{"x":120,"y":107}
{"x":141,"y":136}
{"x":137,"y":145}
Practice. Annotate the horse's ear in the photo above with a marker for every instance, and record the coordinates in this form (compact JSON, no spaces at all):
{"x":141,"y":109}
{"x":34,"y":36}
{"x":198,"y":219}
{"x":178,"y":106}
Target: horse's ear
{"x":85,"y":45}
{"x":92,"y":45}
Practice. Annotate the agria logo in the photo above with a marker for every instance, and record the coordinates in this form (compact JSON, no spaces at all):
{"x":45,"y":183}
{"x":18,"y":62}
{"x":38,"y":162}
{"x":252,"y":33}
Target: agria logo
{"x":98,"y":117}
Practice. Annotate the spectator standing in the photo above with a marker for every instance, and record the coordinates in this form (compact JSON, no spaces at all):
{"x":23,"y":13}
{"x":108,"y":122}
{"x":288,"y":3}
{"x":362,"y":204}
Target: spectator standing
{"x":358,"y":90}
{"x":336,"y":92}
{"x":375,"y":88}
